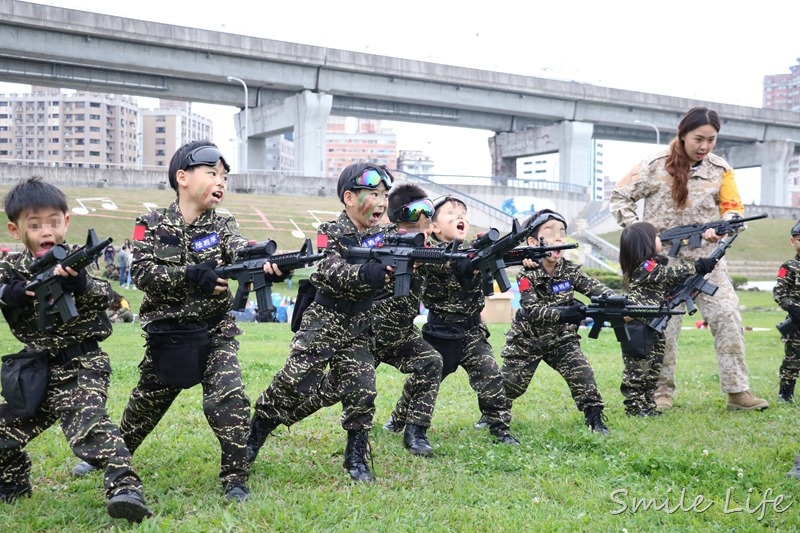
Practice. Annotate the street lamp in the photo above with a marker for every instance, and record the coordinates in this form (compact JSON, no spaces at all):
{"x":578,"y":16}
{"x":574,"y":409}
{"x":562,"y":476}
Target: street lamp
{"x":244,"y":129}
{"x":658,"y":134}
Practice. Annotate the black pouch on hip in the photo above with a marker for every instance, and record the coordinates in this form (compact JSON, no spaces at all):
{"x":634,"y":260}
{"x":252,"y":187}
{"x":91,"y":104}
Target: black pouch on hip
{"x":449,"y":340}
{"x":24,"y":379}
{"x":305,"y":296}
{"x":179,"y":351}
{"x":642,"y":339}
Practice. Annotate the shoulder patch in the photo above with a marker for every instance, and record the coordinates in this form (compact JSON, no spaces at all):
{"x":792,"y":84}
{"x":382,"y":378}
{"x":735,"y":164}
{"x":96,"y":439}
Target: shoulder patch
{"x":649,"y":265}
{"x":782,"y":272}
{"x":524,"y":284}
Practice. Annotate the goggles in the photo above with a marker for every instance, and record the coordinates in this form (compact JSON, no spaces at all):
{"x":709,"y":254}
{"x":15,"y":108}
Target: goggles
{"x":441,"y":200}
{"x":544,"y":217}
{"x":370,"y":179}
{"x":205,"y":155}
{"x":413,"y":211}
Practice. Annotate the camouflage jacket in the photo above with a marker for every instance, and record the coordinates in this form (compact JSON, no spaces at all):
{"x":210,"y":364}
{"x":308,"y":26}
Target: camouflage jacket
{"x":541,"y":293}
{"x":653,"y":280}
{"x":164,"y":245}
{"x":712,"y":193}
{"x":92,"y":322}
{"x":447,"y":298}
{"x":787,"y":287}
{"x":335,"y":277}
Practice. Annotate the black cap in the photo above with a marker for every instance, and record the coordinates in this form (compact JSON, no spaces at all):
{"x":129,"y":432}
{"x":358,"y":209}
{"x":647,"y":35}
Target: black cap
{"x":796,"y":229}
{"x":356,"y":169}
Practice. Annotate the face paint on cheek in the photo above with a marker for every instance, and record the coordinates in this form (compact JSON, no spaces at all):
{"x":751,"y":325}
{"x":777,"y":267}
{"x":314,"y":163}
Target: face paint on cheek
{"x":364,"y":207}
{"x":202,"y":195}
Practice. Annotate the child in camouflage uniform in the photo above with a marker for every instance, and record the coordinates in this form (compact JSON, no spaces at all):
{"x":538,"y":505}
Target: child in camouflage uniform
{"x":546,"y":325}
{"x":787,"y":294}
{"x":335,"y":329}
{"x":187,"y":304}
{"x":649,"y":279}
{"x":77,"y":370}
{"x":455,"y":299}
{"x":398,"y":342}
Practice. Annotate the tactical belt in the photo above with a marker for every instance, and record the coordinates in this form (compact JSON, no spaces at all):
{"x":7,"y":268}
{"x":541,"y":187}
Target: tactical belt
{"x":347,"y":307}
{"x":64,"y":356}
{"x":467,"y":324}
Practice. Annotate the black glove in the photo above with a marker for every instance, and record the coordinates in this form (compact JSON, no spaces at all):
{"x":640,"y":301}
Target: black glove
{"x":463,"y":271}
{"x":572,"y":314}
{"x":203,"y":276}
{"x":14,"y":294}
{"x":794,"y":312}
{"x":373,"y":274}
{"x":75,"y":284}
{"x":704,"y":265}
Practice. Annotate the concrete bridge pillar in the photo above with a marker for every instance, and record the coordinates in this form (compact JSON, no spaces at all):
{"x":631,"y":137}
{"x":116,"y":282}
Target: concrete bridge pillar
{"x":572,"y":141}
{"x":773,"y":158}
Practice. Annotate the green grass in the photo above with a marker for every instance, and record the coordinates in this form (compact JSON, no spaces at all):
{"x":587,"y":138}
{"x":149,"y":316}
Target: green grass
{"x":562,"y":478}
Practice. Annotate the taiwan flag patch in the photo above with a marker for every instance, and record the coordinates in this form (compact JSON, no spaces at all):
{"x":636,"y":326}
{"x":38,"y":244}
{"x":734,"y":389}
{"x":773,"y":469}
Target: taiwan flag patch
{"x":138,"y":232}
{"x":781,"y":273}
{"x":649,"y":265}
{"x":524,"y":284}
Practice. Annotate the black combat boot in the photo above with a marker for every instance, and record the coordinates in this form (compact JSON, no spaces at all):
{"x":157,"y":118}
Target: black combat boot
{"x":482,"y":422}
{"x":415,"y":439}
{"x":10,"y":492}
{"x":260,"y":428}
{"x":128,"y":504}
{"x":505,"y":437}
{"x":356,"y":454}
{"x":393,"y":425}
{"x":786,"y":391}
{"x":236,"y":492}
{"x":595,"y":420}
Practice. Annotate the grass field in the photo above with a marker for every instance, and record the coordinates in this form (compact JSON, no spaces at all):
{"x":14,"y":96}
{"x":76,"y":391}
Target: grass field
{"x":713,"y":469}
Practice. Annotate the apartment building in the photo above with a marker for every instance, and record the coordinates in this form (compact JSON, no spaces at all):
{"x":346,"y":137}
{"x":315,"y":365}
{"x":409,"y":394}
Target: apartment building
{"x":782,"y":91}
{"x":166,"y":129}
{"x":348,"y":140}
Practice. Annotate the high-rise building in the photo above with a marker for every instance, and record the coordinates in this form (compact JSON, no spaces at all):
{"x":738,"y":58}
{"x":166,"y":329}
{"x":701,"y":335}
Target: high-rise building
{"x":70,"y":129}
{"x":280,"y":153}
{"x":782,"y":91}
{"x":166,"y":129}
{"x":349,"y":140}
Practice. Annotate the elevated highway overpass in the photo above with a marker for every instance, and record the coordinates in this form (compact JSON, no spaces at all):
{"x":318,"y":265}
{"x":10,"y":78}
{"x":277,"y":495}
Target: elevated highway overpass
{"x":295,"y":87}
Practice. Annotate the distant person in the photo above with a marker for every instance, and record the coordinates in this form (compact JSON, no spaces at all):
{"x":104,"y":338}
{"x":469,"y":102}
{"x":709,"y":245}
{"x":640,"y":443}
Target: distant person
{"x":109,"y":254}
{"x":73,"y":371}
{"x":686,"y":184}
{"x":120,"y":309}
{"x":123,"y":259}
{"x":787,"y":295}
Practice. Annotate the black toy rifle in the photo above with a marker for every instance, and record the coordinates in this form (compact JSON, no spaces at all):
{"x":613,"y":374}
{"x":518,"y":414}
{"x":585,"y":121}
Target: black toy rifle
{"x":488,"y":252}
{"x":534,"y":253}
{"x":687,"y":291}
{"x":691,"y":234}
{"x":613,"y":309}
{"x":248,"y":270}
{"x":401,"y":251}
{"x":49,"y":293}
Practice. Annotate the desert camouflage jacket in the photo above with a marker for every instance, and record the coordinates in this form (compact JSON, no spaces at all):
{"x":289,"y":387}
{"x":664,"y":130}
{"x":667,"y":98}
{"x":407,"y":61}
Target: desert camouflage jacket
{"x":164,"y":245}
{"x":92,"y":322}
{"x":712,"y":193}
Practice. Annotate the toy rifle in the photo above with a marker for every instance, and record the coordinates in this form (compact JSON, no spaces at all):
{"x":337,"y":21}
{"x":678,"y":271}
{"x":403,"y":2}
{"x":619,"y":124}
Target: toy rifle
{"x":401,"y":251}
{"x":691,"y":234}
{"x":53,"y":301}
{"x":614,"y":308}
{"x":691,"y":287}
{"x":788,"y":326}
{"x":248,"y":270}
{"x":534,"y":253}
{"x":488,"y":255}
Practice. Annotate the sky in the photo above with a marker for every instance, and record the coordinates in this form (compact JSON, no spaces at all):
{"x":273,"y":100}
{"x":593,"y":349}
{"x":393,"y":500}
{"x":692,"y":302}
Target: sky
{"x":717,"y":51}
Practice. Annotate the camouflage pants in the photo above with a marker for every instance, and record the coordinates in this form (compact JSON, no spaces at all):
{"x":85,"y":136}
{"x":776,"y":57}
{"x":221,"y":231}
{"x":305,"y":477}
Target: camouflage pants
{"x":413,"y":355}
{"x":721,"y":311}
{"x":790,"y":367}
{"x":522,"y":354}
{"x":302,"y":386}
{"x":76,"y":395}
{"x":225,"y":405}
{"x":640,"y":379}
{"x":484,"y":378}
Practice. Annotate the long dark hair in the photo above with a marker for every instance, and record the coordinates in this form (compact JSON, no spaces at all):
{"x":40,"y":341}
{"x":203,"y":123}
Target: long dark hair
{"x":637,"y":243}
{"x":678,"y":163}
